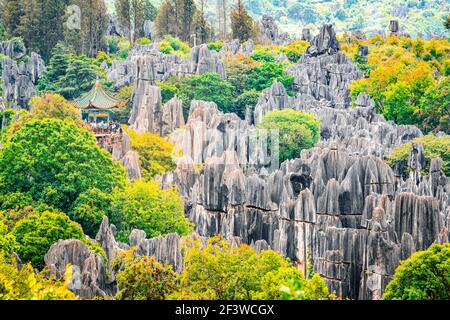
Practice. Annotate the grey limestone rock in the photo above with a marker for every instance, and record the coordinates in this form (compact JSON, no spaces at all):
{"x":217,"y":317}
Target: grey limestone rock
{"x":89,"y":278}
{"x":269,"y":30}
{"x":19,"y":80}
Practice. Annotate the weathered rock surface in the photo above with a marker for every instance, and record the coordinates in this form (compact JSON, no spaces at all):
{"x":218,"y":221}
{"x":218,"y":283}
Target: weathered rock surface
{"x":148,"y":61}
{"x":19,"y":79}
{"x":148,"y":114}
{"x":338,"y":203}
{"x":269,"y":30}
{"x":89,"y":270}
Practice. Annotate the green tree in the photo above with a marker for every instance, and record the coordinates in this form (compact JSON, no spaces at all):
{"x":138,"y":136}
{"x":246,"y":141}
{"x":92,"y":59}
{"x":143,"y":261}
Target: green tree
{"x":207,"y":87}
{"x":89,"y":208}
{"x":447,"y":23}
{"x":424,"y":276}
{"x":262,"y":77}
{"x":150,"y":10}
{"x":8,"y":243}
{"x":435,"y":107}
{"x":242,"y":24}
{"x":25,"y":284}
{"x":53,"y":106}
{"x":301,"y":289}
{"x":93,"y":22}
{"x":155,"y":153}
{"x":11,"y":16}
{"x":248,"y":99}
{"x":55,"y":161}
{"x":130,"y":14}
{"x":145,"y":206}
{"x":80,"y":77}
{"x":298,"y":130}
{"x":143,"y":278}
{"x":36,"y":233}
{"x":221,"y":271}
{"x":434,"y":147}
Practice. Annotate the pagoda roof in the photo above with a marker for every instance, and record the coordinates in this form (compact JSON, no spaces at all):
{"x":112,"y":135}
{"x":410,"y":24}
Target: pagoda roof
{"x":98,"y":98}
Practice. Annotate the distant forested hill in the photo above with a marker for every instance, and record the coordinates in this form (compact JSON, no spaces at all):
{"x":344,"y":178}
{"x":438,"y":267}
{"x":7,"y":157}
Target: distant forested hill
{"x":417,"y":17}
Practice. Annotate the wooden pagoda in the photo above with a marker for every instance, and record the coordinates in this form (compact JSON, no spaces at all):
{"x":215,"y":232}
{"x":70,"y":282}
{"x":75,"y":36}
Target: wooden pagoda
{"x":97,"y":103}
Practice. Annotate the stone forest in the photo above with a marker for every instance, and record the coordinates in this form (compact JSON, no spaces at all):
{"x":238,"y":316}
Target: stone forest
{"x":196,"y":150}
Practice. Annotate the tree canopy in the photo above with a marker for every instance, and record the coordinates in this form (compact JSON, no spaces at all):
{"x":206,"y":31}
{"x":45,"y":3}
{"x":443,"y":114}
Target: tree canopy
{"x":298,"y":130}
{"x":423,"y":276}
{"x":55,"y":161}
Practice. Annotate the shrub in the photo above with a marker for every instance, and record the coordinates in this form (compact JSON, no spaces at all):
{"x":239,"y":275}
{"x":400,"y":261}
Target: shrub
{"x":168,"y":91}
{"x":171,"y":45}
{"x":145,"y":206}
{"x":53,"y":106}
{"x":216,"y":46}
{"x":221,"y":271}
{"x":263,"y":56}
{"x":295,"y":50}
{"x":144,"y":41}
{"x":206,"y":87}
{"x":36,"y":233}
{"x":89,"y":208}
{"x":24,"y":284}
{"x":298,"y":130}
{"x":237,"y":68}
{"x":433,"y":146}
{"x":424,"y":276}
{"x":155,"y":153}
{"x":143,"y":278}
{"x":263,"y":76}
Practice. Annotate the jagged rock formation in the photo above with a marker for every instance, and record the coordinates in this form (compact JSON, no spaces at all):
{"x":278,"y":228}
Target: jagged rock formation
{"x":148,"y":114}
{"x":114,"y":29}
{"x":19,"y":79}
{"x":149,"y":61}
{"x":234,"y":46}
{"x":149,"y":29}
{"x":13,"y":49}
{"x":338,"y":203}
{"x":394,"y":26}
{"x":89,"y":270}
{"x":269,"y":30}
{"x":131,"y":163}
{"x":306,"y":35}
{"x":323,"y":72}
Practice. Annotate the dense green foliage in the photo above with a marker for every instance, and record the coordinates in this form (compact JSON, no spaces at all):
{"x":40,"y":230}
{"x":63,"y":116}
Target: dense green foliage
{"x":248,"y":99}
{"x":36,"y":233}
{"x":89,"y":208}
{"x":263,"y":76}
{"x":220,"y":271}
{"x":207,"y":87}
{"x":171,"y":45}
{"x":155,"y":153}
{"x":24,"y":284}
{"x":55,"y":161}
{"x":68,"y":74}
{"x":263,"y":56}
{"x":434,"y":147}
{"x":143,"y":278}
{"x":298,"y":130}
{"x":145,"y":206}
{"x":409,"y":79}
{"x":423,"y":276}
